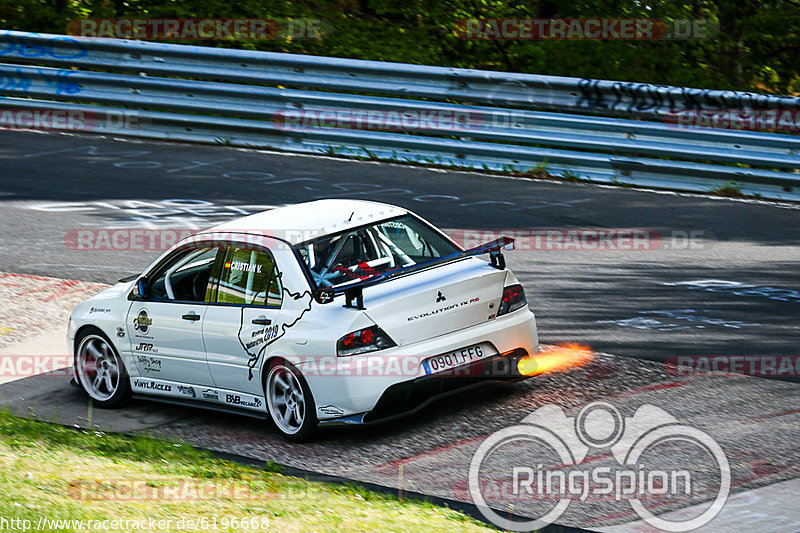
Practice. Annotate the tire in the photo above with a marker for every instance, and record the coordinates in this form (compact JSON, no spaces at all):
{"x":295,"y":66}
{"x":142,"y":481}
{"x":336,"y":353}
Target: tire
{"x":99,"y":370}
{"x":289,"y":401}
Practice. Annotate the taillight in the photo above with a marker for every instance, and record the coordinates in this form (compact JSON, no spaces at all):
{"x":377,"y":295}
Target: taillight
{"x":513,"y":299}
{"x":365,"y":340}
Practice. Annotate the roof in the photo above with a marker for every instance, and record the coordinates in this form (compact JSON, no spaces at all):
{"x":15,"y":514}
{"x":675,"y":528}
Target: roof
{"x":300,"y":222}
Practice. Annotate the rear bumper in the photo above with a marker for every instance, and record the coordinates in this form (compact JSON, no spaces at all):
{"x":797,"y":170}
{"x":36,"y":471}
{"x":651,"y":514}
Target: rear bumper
{"x":408,"y":397}
{"x":375,"y":381}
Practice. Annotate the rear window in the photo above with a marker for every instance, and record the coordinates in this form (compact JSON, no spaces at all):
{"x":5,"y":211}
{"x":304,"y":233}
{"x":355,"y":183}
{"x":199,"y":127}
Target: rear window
{"x":363,"y":252}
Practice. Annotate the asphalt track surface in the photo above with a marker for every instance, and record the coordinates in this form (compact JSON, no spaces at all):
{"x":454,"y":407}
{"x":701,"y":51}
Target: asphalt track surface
{"x":723,"y":281}
{"x":733,"y":290}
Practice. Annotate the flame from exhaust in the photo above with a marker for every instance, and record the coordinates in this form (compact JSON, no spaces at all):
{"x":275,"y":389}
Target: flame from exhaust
{"x":554,"y":359}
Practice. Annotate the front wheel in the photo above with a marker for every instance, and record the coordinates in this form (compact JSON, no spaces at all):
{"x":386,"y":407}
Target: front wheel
{"x":290,"y":402}
{"x":99,"y":370}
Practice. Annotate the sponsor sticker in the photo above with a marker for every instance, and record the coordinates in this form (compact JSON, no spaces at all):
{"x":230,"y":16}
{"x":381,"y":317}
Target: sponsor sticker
{"x":210,"y":394}
{"x":152,"y":385}
{"x":187,"y":390}
{"x":142,"y":322}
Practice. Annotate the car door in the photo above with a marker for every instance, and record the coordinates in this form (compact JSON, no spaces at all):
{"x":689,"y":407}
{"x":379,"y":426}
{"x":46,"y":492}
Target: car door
{"x":165,"y":326}
{"x":242,"y":320}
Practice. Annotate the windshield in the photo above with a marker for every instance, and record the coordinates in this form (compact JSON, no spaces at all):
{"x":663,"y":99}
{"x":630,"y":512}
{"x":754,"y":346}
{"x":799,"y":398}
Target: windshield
{"x":366,"y":251}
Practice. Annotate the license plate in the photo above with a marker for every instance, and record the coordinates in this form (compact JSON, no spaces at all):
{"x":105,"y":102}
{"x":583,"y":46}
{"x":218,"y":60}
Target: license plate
{"x":463,"y":356}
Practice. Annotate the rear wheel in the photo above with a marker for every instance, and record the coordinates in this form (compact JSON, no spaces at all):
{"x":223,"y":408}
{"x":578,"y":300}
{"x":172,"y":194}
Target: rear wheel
{"x":289,"y":401}
{"x":99,"y":370}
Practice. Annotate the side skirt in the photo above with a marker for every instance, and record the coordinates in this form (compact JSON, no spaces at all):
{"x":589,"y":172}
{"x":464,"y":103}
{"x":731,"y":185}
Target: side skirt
{"x":195,"y":395}
{"x":201,"y":405}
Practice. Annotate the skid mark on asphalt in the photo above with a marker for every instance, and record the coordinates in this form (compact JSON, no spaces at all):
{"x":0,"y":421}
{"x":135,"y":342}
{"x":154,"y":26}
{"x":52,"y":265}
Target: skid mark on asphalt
{"x":32,"y":303}
{"x":448,"y":464}
{"x":754,"y":510}
{"x":696,"y":321}
{"x":172,"y":212}
{"x":630,"y":513}
{"x":393,"y":465}
{"x":738,"y":288}
{"x":775,"y":415}
{"x":55,"y":288}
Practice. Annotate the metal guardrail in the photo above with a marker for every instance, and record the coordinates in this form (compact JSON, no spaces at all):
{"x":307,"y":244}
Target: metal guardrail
{"x":238,"y":97}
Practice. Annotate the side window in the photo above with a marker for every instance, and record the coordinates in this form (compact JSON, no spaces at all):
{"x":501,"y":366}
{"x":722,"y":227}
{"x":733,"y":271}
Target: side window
{"x":249,"y":277}
{"x":185,"y":277}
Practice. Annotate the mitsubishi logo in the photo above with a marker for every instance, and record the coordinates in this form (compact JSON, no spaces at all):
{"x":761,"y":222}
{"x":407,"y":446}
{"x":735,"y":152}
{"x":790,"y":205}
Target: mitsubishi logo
{"x":440,"y":297}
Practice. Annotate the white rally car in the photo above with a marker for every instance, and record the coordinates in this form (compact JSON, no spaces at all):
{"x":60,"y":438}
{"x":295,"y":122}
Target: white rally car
{"x":327,"y":312}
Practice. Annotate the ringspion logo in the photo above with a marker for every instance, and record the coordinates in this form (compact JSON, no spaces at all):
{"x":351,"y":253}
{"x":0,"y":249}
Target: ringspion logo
{"x":510,"y":465}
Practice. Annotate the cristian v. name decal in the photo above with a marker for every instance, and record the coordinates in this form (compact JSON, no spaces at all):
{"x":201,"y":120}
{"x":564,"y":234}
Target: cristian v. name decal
{"x":244,"y":267}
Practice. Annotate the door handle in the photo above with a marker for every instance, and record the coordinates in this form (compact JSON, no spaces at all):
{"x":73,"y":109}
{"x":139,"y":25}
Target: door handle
{"x":191,"y":316}
{"x":262,"y":321}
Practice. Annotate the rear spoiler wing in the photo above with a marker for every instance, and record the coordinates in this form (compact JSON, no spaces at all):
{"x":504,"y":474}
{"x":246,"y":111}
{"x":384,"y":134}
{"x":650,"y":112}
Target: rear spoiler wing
{"x":354,"y":296}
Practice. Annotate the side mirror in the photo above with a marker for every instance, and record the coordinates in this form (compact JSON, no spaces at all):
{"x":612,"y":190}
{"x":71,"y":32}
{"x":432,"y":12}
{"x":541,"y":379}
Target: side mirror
{"x":142,"y":289}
